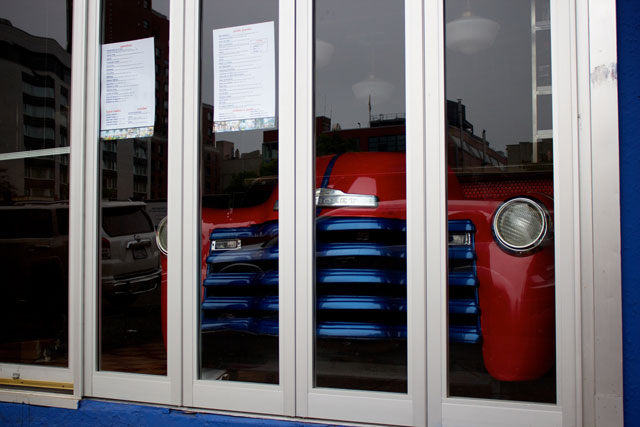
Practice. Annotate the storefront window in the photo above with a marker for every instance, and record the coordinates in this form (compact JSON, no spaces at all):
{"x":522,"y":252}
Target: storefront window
{"x":238,"y":300}
{"x":133,"y":178}
{"x":360,"y":249}
{"x":35,"y":64}
{"x":500,"y":200}
{"x":314,"y":274}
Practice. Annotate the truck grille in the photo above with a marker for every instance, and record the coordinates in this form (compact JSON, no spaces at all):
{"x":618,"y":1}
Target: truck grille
{"x":360,"y":281}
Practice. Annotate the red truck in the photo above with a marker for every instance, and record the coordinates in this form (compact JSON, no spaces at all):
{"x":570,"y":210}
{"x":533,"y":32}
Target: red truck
{"x":501,"y":262}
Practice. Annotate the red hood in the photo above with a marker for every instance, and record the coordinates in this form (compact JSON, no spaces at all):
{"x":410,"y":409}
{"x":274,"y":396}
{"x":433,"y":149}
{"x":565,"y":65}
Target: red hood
{"x":370,"y":173}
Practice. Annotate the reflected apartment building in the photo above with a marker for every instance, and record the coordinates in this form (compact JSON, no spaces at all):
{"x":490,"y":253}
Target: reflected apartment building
{"x":36,"y":77}
{"x":139,"y":170}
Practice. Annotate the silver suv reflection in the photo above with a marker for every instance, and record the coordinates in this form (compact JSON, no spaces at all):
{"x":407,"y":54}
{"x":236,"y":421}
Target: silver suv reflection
{"x":130,"y":260}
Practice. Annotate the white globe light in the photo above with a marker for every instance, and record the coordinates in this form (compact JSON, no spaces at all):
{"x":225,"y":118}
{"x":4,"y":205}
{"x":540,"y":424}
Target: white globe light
{"x":324,"y":53}
{"x":379,"y":90}
{"x":471,"y":34}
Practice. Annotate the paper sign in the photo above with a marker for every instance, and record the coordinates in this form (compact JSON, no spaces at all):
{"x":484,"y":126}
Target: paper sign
{"x":127,"y":101}
{"x":244,"y":76}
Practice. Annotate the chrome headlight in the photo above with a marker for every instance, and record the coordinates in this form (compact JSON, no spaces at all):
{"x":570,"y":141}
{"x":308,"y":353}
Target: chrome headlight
{"x":520,"y":225}
{"x":161,"y":236}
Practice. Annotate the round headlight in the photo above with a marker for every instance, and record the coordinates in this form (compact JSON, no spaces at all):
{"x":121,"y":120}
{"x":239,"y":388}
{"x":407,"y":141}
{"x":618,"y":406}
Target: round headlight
{"x":520,"y":225}
{"x":161,"y":236}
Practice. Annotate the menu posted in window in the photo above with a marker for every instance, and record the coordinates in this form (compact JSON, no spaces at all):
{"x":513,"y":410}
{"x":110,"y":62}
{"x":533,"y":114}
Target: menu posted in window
{"x":244,"y":96}
{"x":127,"y":101}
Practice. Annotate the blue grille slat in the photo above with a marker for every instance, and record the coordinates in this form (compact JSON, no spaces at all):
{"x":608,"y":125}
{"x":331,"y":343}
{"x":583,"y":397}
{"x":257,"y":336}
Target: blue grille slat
{"x":464,"y":306}
{"x":360,"y":302}
{"x":271,"y":277}
{"x":462,"y":252}
{"x":361,"y":249}
{"x":231,"y":279}
{"x":357,"y":223}
{"x":268,"y":303}
{"x":244,"y":255}
{"x":462,"y":279}
{"x":231,"y":233}
{"x":333,"y":329}
{"x":229,"y":303}
{"x":241,"y":279}
{"x":461,"y":225}
{"x":464,"y":334}
{"x":371,"y":276}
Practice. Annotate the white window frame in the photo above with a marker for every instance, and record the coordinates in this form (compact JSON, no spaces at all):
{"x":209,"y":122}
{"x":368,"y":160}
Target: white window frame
{"x":227,"y":395}
{"x":39,"y":376}
{"x":351,"y":405}
{"x":445,"y":410}
{"x":600,"y":296}
{"x":119,"y":385}
{"x":587,"y":228}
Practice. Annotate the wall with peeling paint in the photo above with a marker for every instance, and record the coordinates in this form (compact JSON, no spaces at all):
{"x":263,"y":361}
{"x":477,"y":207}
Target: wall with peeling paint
{"x":628,"y":22}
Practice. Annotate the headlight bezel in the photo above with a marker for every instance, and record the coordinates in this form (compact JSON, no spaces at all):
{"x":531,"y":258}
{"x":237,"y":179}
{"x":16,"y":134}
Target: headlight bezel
{"x":535,"y":244}
{"x":162,"y":229}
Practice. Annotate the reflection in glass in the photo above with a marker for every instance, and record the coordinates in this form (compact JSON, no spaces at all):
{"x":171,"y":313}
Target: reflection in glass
{"x":500,"y":201}
{"x":133,"y":171}
{"x":360,"y":290}
{"x":238,"y":326}
{"x":35,"y":64}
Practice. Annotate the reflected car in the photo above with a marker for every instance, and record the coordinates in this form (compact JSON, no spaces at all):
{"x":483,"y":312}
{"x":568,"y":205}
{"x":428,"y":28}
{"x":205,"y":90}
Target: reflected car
{"x":500,"y":267}
{"x":130,"y":260}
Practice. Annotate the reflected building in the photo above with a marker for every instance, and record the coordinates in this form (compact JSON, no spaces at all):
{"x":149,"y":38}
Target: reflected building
{"x":521,"y":154}
{"x":139,"y":170}
{"x":223,"y":165}
{"x":211,"y":156}
{"x":479,"y":168}
{"x":467,"y":151}
{"x":387,"y":133}
{"x":36,"y":77}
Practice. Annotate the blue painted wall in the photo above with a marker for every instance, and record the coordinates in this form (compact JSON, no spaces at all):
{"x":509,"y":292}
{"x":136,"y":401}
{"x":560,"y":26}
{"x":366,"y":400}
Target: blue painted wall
{"x":629,"y":112}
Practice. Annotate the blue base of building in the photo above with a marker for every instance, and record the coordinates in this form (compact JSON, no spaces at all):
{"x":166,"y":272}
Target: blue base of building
{"x":628,"y":23}
{"x":97,"y":413}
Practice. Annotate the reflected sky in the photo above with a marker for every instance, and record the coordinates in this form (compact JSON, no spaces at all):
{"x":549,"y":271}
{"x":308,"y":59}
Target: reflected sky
{"x":367,"y":38}
{"x":42,"y":18}
{"x":50,"y":21}
{"x":495,"y":84}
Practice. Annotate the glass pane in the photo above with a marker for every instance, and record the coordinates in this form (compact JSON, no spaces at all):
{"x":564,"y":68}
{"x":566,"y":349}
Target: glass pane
{"x":500,"y":200}
{"x":360,"y":289}
{"x":239,"y":186}
{"x":35,"y":65}
{"x":133,"y":171}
